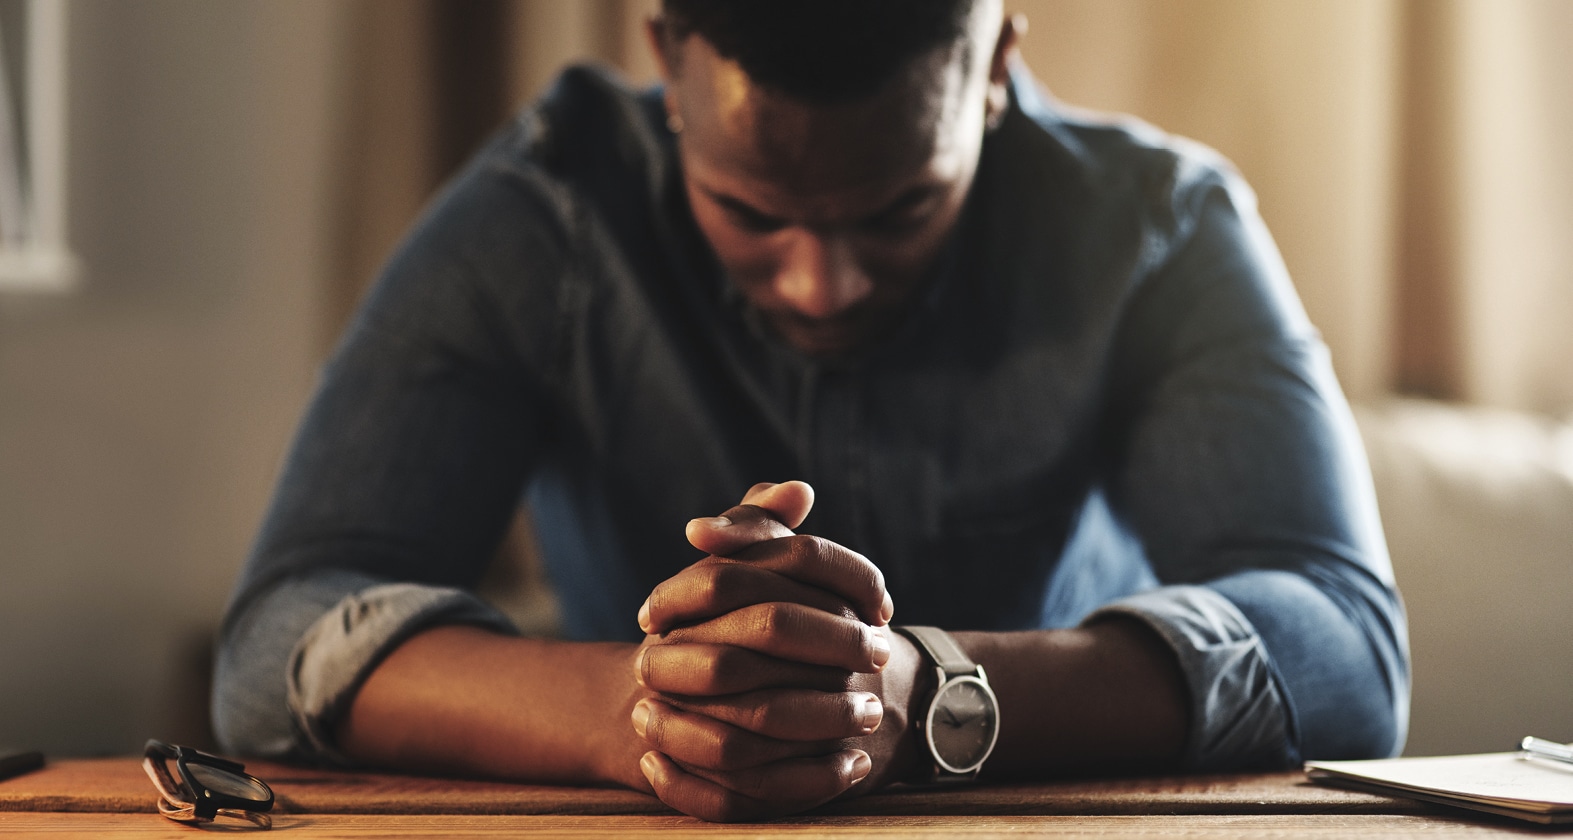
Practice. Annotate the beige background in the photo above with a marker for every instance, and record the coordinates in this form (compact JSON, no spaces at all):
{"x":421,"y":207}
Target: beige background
{"x":237,"y":170}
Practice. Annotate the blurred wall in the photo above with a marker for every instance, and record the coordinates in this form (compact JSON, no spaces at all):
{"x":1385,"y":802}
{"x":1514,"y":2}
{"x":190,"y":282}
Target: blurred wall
{"x":142,"y":418}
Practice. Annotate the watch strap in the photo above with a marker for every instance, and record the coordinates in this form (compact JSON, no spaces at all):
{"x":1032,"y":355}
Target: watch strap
{"x":941,"y":647}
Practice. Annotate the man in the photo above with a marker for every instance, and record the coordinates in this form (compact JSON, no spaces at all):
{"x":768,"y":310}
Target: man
{"x":1046,"y":374}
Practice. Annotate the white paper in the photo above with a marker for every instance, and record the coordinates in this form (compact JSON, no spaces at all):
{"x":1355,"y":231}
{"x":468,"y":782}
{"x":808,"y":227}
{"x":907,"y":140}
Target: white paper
{"x":1506,"y":779}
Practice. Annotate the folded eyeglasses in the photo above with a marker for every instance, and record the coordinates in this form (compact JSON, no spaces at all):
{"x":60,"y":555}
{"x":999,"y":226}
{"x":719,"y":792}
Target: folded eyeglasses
{"x":206,"y":787}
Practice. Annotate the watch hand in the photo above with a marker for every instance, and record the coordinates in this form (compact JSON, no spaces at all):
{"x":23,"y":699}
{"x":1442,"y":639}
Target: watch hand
{"x":963,"y":720}
{"x":950,"y":716}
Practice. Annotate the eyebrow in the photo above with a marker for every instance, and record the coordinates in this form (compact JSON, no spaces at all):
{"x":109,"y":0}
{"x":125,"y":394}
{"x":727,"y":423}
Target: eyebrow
{"x":907,"y":200}
{"x":743,"y":208}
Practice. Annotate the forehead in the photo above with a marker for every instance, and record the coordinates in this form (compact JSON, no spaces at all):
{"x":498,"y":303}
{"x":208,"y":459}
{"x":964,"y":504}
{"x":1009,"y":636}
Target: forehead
{"x":787,"y":150}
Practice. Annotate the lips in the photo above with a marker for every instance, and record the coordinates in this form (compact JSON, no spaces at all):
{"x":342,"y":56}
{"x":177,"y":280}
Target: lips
{"x":829,"y":337}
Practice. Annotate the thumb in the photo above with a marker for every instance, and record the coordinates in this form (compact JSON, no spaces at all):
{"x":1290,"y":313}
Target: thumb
{"x":768,"y":511}
{"x":788,"y":502}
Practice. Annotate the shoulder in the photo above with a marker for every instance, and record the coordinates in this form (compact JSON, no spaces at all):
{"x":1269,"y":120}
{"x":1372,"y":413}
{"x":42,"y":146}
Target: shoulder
{"x":590,"y":130}
{"x":1114,"y":163}
{"x":590,"y":145}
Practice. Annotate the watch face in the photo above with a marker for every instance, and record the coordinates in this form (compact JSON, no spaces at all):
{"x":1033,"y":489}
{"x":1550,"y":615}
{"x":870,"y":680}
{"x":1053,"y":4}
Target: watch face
{"x":963,"y":724}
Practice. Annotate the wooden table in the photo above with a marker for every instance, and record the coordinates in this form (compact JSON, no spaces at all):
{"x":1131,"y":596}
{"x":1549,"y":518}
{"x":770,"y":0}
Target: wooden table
{"x":108,"y":798}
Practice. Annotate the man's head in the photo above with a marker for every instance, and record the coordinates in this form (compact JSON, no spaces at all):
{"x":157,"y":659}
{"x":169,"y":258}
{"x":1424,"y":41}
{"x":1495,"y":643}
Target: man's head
{"x":828,"y":146}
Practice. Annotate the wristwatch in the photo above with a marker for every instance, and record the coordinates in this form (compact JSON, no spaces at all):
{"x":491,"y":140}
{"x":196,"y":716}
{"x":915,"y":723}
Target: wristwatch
{"x":962,"y":721}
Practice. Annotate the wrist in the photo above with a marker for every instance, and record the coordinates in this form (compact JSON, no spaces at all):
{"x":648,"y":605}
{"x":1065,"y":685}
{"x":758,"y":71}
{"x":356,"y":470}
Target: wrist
{"x":613,"y":747}
{"x":958,"y":718}
{"x":896,"y":746}
{"x":913,"y":763}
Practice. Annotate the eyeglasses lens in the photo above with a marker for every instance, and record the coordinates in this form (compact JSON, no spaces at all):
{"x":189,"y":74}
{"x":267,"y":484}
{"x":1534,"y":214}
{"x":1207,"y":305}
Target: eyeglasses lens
{"x":227,"y":783}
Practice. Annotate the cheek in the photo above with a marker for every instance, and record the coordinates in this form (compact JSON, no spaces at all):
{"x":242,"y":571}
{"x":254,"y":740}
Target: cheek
{"x":897,"y":264}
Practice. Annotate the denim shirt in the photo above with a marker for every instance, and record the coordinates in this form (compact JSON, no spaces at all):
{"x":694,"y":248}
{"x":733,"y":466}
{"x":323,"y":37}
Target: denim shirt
{"x":1105,"y":400}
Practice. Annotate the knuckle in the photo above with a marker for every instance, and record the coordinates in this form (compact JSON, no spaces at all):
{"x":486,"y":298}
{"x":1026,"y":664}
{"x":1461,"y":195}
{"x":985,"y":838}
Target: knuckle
{"x":768,"y":620}
{"x":709,"y":585}
{"x":706,"y":676}
{"x":859,"y":567}
{"x":724,"y":582}
{"x":795,"y":549}
{"x":805,"y":548}
{"x":752,"y":785}
{"x":726,"y":806}
{"x":730,"y":751}
{"x":760,"y":717}
{"x":876,"y":577}
{"x":747,"y":513}
{"x":722,"y":663}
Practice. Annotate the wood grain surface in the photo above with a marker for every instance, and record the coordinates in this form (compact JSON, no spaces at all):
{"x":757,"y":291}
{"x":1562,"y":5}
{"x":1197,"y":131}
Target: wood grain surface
{"x":112,"y":798}
{"x":352,"y":826}
{"x":118,"y":785}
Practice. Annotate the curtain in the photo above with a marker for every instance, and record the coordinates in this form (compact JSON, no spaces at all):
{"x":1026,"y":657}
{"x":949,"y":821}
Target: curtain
{"x":425,"y":83}
{"x":1406,"y":153}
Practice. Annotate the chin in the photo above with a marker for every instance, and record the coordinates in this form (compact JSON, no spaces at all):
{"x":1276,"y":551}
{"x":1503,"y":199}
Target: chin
{"x":825,"y":343}
{"x":829,"y":339}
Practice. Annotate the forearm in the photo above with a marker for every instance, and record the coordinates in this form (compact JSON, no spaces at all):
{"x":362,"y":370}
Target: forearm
{"x":468,"y":701}
{"x":1105,"y":696}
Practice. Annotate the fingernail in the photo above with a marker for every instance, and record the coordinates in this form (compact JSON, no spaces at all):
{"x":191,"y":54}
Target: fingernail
{"x":644,"y":616}
{"x":887,"y":610}
{"x":639,"y":666}
{"x":870,"y":712}
{"x":641,"y":715}
{"x":714,"y":521}
{"x":881,"y":645}
{"x":860,"y":767}
{"x":648,"y":765}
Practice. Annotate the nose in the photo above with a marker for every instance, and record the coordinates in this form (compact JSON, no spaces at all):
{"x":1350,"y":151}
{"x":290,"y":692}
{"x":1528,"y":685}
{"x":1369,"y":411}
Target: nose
{"x":819,"y":276}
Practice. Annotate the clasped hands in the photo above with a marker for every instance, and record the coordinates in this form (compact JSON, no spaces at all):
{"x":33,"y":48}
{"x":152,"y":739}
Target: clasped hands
{"x":770,"y":681}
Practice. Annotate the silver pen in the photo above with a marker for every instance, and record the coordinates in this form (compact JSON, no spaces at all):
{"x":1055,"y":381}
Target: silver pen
{"x":1549,"y":750}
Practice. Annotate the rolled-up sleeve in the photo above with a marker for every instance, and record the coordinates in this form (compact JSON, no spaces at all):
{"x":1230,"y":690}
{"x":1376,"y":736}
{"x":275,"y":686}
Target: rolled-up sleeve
{"x":1239,"y":714}
{"x":340,"y":649}
{"x":274,"y":699}
{"x":1244,"y":475}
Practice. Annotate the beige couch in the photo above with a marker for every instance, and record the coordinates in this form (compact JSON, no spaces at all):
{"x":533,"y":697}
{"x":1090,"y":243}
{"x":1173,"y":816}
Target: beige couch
{"x":1478,"y":507}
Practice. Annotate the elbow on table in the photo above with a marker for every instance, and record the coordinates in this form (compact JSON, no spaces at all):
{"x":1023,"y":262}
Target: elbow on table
{"x":249,"y":712}
{"x":1364,"y":722}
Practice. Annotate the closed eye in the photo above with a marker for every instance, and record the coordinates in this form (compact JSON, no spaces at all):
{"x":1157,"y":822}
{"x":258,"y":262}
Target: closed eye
{"x":747,"y":217}
{"x":903,"y":215}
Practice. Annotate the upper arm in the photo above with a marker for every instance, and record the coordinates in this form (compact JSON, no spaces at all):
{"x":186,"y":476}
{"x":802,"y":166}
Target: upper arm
{"x":1241,"y":470}
{"x":436,"y":405}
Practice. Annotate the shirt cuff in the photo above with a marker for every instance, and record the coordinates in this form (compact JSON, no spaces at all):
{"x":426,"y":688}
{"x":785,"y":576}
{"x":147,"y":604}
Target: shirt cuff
{"x":339,"y":650}
{"x":1240,"y":716}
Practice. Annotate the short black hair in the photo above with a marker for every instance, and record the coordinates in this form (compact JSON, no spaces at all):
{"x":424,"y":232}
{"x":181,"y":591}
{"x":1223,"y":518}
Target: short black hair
{"x":820,"y":50}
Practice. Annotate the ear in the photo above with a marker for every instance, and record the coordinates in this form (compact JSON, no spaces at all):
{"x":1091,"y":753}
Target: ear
{"x":997,"y":99}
